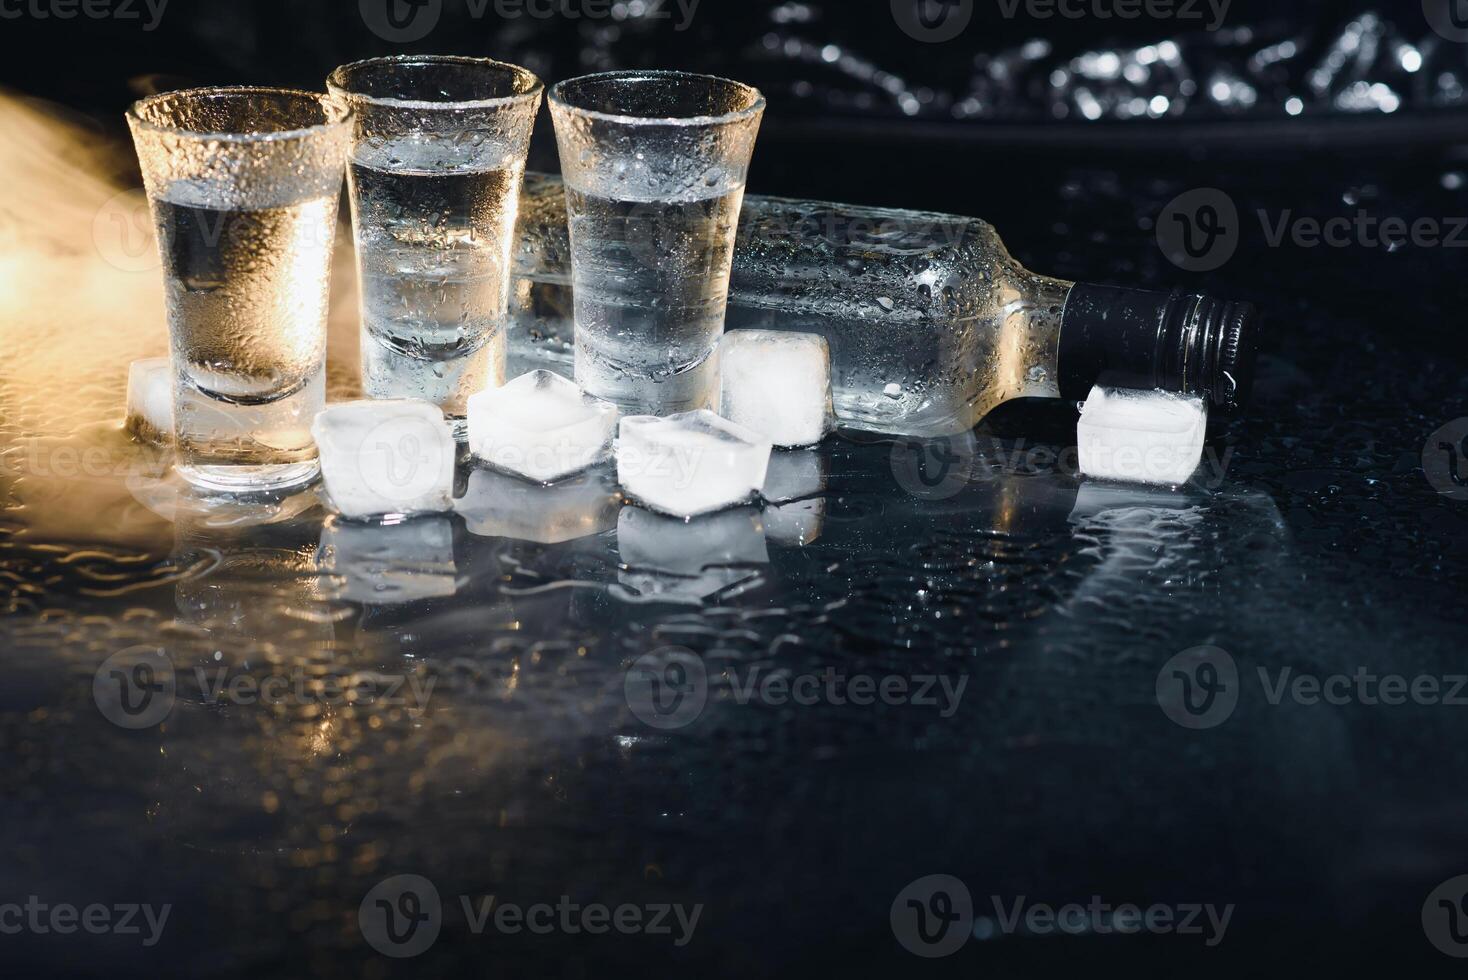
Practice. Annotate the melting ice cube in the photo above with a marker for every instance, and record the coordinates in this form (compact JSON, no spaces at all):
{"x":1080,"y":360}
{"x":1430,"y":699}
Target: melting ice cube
{"x":150,"y":399}
{"x":385,"y":458}
{"x":540,"y":426}
{"x":690,"y":463}
{"x":1141,"y":436}
{"x":503,"y":506}
{"x":778,"y":384}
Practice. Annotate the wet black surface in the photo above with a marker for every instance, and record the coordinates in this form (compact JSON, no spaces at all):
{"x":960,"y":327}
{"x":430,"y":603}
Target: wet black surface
{"x":518,"y":768}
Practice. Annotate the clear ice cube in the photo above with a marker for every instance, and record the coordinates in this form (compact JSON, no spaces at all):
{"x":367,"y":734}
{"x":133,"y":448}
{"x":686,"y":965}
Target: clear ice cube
{"x":540,"y":426}
{"x":1153,"y":437}
{"x":502,"y":506}
{"x":690,"y":463}
{"x":150,"y":400}
{"x":387,"y":563}
{"x":671,"y":558}
{"x":777,"y":384}
{"x":385,"y":458}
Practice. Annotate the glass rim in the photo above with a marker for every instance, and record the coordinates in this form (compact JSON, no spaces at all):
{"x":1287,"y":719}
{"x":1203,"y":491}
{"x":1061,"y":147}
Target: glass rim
{"x":336,"y":82}
{"x":755,"y":107}
{"x":337,"y":113}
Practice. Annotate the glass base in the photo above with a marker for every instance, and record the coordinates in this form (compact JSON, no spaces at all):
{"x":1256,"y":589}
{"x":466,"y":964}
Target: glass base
{"x":251,"y":479}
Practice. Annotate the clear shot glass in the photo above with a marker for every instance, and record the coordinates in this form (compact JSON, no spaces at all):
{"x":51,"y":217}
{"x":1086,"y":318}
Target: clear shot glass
{"x":437,"y":162}
{"x":655,"y":164}
{"x":243,"y":184}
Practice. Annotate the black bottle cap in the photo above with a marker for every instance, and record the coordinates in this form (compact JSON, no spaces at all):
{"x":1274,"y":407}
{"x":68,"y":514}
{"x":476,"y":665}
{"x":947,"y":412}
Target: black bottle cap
{"x":1136,"y":338}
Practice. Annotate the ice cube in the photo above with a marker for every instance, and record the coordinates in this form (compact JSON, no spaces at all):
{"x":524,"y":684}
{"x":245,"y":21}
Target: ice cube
{"x":540,"y":426}
{"x":385,"y":458}
{"x":778,"y":384}
{"x":1151,"y":437}
{"x":794,"y":515}
{"x":673,"y":558}
{"x":690,"y":463}
{"x":387,"y":563}
{"x":503,"y":506}
{"x":150,"y":400}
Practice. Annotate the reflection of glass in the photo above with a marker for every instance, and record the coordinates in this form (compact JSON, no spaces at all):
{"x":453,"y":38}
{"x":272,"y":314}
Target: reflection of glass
{"x":248,"y":569}
{"x":243,"y":184}
{"x":499,"y":505}
{"x":436,"y":168}
{"x":668,"y":557}
{"x":655,"y":164}
{"x":387,"y":563}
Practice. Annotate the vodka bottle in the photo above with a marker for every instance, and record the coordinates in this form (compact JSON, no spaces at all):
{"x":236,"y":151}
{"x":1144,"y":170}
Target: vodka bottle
{"x":930,"y":322}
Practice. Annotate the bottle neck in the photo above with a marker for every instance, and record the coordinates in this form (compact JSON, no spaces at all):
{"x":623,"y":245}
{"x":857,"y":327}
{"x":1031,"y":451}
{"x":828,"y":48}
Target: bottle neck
{"x":1135,"y":338}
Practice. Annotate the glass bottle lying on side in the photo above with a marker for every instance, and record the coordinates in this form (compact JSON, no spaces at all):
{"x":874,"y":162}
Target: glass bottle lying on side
{"x":930,"y":322}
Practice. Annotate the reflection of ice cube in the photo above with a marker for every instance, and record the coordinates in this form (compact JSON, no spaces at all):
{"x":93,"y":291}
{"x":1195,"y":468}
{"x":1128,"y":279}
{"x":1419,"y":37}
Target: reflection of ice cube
{"x":388,"y":457}
{"x":690,"y":463}
{"x":387,"y":563}
{"x":666,"y":556}
{"x":1141,"y":436}
{"x":794,"y":515}
{"x":503,"y":506}
{"x":150,"y":400}
{"x":777,"y":383}
{"x":540,"y":426}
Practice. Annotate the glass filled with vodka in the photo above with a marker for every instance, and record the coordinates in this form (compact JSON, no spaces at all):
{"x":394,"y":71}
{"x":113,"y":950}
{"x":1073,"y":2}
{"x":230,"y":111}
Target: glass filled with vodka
{"x":243,"y":184}
{"x":437,"y":161}
{"x":655,"y":165}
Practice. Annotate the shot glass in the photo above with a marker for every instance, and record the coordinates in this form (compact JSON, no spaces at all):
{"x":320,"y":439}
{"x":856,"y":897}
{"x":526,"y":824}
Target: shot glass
{"x":654,"y":164}
{"x":243,"y":184}
{"x":437,"y":162}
